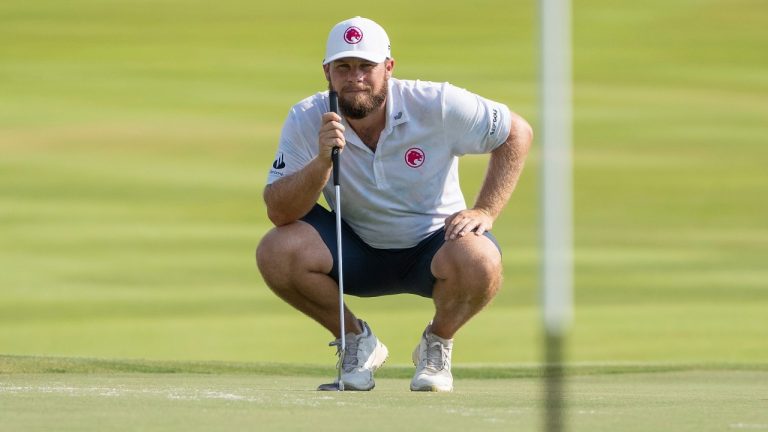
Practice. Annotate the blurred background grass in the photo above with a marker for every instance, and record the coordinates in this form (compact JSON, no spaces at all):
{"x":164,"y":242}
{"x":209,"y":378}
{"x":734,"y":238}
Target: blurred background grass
{"x":135,"y":138}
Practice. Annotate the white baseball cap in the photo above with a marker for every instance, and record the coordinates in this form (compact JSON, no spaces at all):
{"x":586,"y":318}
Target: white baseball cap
{"x":357,"y":37}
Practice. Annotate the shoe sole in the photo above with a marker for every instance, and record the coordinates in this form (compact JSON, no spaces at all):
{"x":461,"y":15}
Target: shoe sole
{"x":378,"y":354}
{"x":431,"y":389}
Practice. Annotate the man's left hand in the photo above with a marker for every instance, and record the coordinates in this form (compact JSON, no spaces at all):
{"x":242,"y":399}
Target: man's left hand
{"x":466,"y":221}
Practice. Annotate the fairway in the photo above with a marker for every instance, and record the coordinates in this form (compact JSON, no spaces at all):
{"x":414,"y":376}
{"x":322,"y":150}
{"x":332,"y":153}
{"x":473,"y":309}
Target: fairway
{"x":601,"y":398}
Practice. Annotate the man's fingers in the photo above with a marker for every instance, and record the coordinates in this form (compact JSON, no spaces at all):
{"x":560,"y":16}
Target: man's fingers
{"x":332,"y":125}
{"x":464,"y":222}
{"x":332,"y":116}
{"x":448,"y":225}
{"x":462,"y":227}
{"x":336,"y":138}
{"x":331,"y":134}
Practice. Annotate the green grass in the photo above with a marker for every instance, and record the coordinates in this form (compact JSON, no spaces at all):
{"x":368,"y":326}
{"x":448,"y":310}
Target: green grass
{"x":135,"y":138}
{"x":39,"y":394}
{"x":10,"y":365}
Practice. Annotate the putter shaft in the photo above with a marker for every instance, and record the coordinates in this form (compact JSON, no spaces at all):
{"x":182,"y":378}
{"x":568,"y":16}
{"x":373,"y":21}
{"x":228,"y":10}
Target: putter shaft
{"x":334,"y":105}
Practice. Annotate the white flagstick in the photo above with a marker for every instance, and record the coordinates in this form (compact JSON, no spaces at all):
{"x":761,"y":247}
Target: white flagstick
{"x":557,"y":207}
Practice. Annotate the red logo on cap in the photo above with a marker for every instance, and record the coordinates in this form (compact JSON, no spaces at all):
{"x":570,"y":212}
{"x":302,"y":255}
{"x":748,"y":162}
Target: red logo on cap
{"x":414,"y":157}
{"x":353,"y":35}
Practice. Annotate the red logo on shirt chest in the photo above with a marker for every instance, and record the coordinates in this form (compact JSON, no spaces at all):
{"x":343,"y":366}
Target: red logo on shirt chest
{"x":414,"y":157}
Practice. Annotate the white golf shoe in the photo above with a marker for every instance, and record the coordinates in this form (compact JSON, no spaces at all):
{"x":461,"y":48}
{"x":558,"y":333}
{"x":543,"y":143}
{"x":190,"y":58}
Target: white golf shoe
{"x":432,"y":358}
{"x":364,"y":354}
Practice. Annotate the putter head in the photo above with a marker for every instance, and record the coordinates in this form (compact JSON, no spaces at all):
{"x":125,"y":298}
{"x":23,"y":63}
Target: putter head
{"x":339,"y":381}
{"x":337,"y":385}
{"x":334,"y":386}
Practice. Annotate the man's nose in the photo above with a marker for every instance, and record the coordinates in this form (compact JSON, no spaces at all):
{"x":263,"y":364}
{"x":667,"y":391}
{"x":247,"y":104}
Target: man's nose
{"x":356,"y":74}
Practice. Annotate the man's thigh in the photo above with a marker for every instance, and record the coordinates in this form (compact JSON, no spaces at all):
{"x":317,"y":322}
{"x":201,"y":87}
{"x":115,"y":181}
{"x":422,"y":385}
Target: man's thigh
{"x":370,"y":272}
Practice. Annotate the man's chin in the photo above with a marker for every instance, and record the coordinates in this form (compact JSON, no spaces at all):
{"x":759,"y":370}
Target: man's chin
{"x":357,"y":109}
{"x":357,"y":97}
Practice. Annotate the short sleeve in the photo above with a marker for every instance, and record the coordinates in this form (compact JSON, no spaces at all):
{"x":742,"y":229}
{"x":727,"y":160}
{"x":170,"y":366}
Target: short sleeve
{"x":292,"y":152}
{"x":473,"y":124}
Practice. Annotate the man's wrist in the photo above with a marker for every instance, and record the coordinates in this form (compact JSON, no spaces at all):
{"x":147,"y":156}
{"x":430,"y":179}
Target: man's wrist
{"x":485,"y":210}
{"x":323,"y":163}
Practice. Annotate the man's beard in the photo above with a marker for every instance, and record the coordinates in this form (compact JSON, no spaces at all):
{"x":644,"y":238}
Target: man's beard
{"x":359,"y":108}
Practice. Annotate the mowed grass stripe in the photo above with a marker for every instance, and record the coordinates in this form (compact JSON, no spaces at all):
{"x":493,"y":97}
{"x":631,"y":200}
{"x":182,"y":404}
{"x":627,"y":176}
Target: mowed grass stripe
{"x":69,"y":365}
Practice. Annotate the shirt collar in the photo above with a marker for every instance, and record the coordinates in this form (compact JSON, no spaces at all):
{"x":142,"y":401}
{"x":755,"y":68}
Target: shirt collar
{"x":396,"y":113}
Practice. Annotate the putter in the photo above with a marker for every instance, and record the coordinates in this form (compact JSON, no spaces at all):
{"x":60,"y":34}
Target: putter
{"x":339,"y":385}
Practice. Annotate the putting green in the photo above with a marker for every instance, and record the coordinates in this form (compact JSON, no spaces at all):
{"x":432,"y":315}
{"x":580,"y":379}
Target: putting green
{"x":687,"y":400}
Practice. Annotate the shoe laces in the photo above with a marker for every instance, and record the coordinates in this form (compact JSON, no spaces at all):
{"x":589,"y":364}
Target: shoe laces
{"x":349,"y":362}
{"x":437,"y":355}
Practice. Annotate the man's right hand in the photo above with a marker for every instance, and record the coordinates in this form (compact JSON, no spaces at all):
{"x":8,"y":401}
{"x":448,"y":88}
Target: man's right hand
{"x":331,"y":135}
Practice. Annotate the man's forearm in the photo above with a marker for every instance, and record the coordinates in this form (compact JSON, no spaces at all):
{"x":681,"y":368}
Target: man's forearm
{"x":292,"y":197}
{"x":504,"y":169}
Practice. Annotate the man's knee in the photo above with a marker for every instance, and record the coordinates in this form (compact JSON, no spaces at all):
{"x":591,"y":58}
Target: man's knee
{"x":269,"y":251}
{"x":470,"y":258}
{"x":291,"y":248}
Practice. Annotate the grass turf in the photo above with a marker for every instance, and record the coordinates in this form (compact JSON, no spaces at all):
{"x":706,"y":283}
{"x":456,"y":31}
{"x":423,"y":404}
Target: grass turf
{"x":135,"y":139}
{"x":11,"y":365}
{"x":87,"y":395}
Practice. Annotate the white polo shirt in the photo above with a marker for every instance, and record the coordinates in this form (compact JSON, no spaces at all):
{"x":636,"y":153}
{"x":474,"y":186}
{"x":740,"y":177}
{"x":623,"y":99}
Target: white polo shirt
{"x":397,"y":196}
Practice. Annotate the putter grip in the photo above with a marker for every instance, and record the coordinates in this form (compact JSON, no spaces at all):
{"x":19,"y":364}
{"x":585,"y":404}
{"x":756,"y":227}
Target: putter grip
{"x":334,"y":103}
{"x":335,"y":162}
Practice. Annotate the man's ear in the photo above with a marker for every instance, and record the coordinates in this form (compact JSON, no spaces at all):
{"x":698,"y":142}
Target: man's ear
{"x":389,"y":65}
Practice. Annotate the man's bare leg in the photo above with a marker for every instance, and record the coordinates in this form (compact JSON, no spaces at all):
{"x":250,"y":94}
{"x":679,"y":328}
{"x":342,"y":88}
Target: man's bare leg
{"x":468,"y":272}
{"x":295,"y":262}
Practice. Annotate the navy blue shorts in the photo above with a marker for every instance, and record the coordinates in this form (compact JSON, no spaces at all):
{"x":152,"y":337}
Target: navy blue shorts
{"x":371,"y":272}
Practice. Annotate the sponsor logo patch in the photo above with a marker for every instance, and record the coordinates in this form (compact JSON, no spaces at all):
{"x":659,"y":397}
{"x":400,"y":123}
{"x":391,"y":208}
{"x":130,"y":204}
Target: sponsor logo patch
{"x":279,"y":163}
{"x":494,"y":121}
{"x":414,"y":157}
{"x":353,"y":35}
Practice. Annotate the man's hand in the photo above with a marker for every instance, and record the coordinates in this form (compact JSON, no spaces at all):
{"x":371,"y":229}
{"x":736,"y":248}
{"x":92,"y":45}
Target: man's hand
{"x":331,"y":135}
{"x":466,"y":221}
{"x":504,"y":168}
